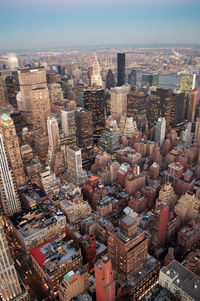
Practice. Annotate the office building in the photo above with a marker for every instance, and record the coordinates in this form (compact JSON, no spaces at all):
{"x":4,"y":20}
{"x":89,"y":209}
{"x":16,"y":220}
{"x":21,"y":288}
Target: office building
{"x":160,"y":131}
{"x":95,"y":79}
{"x":73,"y":284}
{"x":197,"y":131}
{"x":75,"y":172}
{"x":3,"y":100}
{"x":40,"y":146}
{"x":9,"y":195}
{"x":132,"y":77}
{"x":127,"y":247}
{"x":192,"y":105}
{"x":55,"y":92}
{"x":120,"y":69}
{"x":13,"y":149}
{"x":150,"y":79}
{"x":105,"y":284}
{"x":94,"y":101}
{"x":187,"y":82}
{"x":11,"y":288}
{"x":54,"y":258}
{"x":118,"y":101}
{"x":159,"y":225}
{"x":137,"y":108}
{"x":49,"y":182}
{"x":183,"y":284}
{"x":109,"y":141}
{"x":13,"y":63}
{"x":35,"y":226}
{"x":110,"y":80}
{"x":30,"y":78}
{"x":69,"y":126}
{"x":53,"y":135}
{"x":84,"y":135}
{"x":188,"y":207}
{"x":40,"y":108}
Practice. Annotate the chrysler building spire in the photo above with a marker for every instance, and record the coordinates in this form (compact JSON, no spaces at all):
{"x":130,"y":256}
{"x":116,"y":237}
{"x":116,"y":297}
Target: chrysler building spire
{"x":96,"y":79}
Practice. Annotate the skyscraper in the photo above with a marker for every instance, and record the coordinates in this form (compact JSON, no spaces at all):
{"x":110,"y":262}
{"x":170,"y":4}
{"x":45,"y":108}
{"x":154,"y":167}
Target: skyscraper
{"x":13,"y":149}
{"x":96,"y":80}
{"x":187,"y":82}
{"x":69,"y":125}
{"x":29,"y":79}
{"x":10,"y":288}
{"x":40,"y":108}
{"x":120,"y":69}
{"x":9,"y":196}
{"x":110,"y":81}
{"x":53,"y":134}
{"x":192,"y":105}
{"x":137,"y":108}
{"x":150,"y":79}
{"x":84,"y":134}
{"x":132,"y":78}
{"x":160,"y":130}
{"x":12,"y":61}
{"x":118,"y":101}
{"x":94,"y":101}
{"x":105,"y":285}
{"x":197,"y":131}
{"x":75,"y":172}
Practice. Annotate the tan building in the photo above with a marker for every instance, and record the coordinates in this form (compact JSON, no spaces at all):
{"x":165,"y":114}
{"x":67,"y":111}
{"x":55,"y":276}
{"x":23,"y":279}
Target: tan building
{"x":13,"y":149}
{"x":73,"y":284}
{"x":188,"y":207}
{"x":29,"y":79}
{"x":75,"y":211}
{"x":118,"y":101}
{"x":40,"y":108}
{"x":167,"y":195}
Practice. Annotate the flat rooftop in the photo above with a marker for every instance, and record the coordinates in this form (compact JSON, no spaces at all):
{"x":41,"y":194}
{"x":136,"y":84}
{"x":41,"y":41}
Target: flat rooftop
{"x":183,"y":279}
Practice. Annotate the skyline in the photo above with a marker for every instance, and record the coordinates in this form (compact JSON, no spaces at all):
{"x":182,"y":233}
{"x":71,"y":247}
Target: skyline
{"x":36,"y":25}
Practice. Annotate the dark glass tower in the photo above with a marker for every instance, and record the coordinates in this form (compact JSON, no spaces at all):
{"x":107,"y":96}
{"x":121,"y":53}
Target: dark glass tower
{"x":110,"y":81}
{"x":120,"y":69}
{"x":94,"y":101}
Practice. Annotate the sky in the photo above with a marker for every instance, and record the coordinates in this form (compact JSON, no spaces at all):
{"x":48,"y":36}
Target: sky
{"x":43,"y":24}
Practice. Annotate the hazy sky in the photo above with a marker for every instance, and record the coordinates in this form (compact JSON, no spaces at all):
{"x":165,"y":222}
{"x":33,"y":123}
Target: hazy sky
{"x":59,"y":23}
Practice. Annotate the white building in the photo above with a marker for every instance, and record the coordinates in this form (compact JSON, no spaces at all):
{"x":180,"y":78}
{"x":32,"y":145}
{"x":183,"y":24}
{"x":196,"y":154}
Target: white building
{"x":181,"y":282}
{"x":96,"y":80}
{"x":9,"y":195}
{"x":160,"y":130}
{"x":118,"y":103}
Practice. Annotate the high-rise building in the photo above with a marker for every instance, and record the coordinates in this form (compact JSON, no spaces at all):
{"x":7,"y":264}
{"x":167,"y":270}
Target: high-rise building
{"x":110,"y":80}
{"x":137,"y":108}
{"x":13,"y":149}
{"x":10,"y":286}
{"x":84,"y":134}
{"x":159,"y":225}
{"x":160,"y":131}
{"x":127,"y":247}
{"x":161,"y":104}
{"x":30,"y":79}
{"x":105,"y":284}
{"x":94,"y":101}
{"x":40,"y":108}
{"x":120,"y":69}
{"x":54,"y":138}
{"x":3,"y":100}
{"x":187,"y":82}
{"x":12,"y":88}
{"x":75,"y":171}
{"x":13,"y":63}
{"x":9,"y":196}
{"x":150,"y":79}
{"x":192,"y":105}
{"x":69,"y":125}
{"x":197,"y":131}
{"x":118,"y":101}
{"x":96,"y":80}
{"x":55,"y":92}
{"x":132,"y":78}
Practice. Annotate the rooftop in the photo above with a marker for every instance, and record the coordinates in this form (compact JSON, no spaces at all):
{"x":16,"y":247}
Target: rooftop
{"x":183,"y":279}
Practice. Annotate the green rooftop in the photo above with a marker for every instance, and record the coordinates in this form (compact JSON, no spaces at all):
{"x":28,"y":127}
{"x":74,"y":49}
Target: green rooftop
{"x":5,"y":117}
